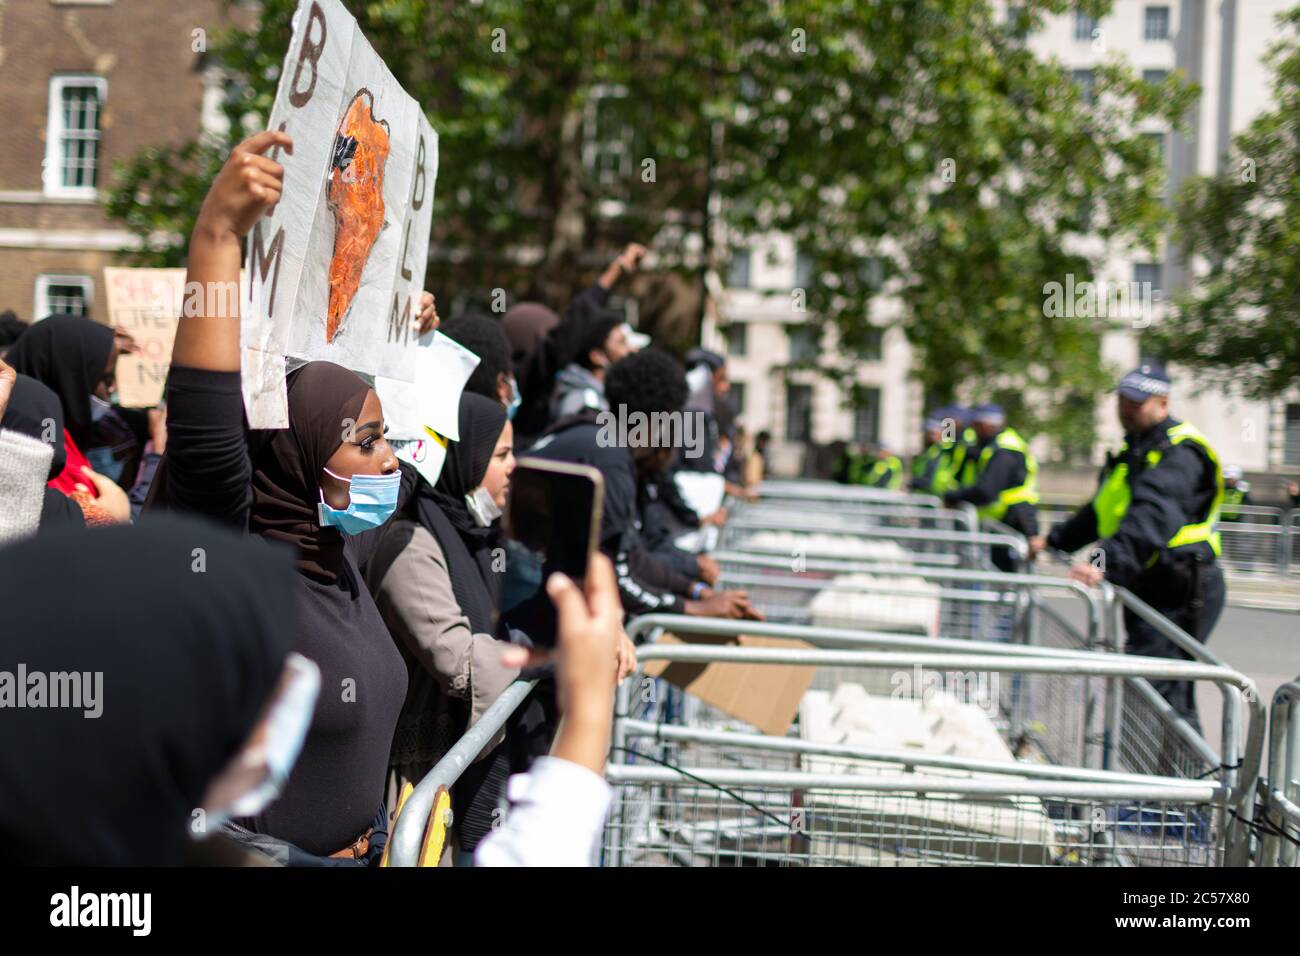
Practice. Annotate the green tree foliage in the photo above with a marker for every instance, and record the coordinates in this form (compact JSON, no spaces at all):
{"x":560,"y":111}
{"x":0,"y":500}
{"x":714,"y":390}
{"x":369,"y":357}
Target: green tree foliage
{"x":1240,"y":322}
{"x":916,"y":146}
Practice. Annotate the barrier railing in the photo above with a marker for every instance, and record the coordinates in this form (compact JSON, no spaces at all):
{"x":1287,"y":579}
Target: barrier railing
{"x":1254,"y":537}
{"x":408,"y":834}
{"x":1119,"y":759}
{"x":1280,"y":843}
{"x":803,"y":536}
{"x":812,"y":803}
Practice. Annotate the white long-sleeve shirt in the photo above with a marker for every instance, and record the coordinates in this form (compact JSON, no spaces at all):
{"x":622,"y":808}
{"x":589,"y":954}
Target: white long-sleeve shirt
{"x":557,"y":813}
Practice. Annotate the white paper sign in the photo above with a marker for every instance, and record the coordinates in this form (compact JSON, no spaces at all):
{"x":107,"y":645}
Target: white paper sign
{"x":428,"y":455}
{"x":432,"y":401}
{"x":702,"y":490}
{"x":337,"y":266}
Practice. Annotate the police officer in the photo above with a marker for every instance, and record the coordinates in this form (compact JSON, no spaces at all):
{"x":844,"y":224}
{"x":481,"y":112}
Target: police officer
{"x":1154,"y":514}
{"x":931,"y":468}
{"x":1001,"y":478}
{"x":885,"y":471}
{"x":962,"y":452}
{"x":1236,"y":492}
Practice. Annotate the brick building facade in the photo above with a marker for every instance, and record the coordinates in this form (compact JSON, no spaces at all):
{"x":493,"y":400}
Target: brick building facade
{"x":86,"y":84}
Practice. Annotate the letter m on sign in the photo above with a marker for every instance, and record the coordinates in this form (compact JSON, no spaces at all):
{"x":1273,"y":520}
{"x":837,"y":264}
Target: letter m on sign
{"x":266,"y":262}
{"x":399,"y":320}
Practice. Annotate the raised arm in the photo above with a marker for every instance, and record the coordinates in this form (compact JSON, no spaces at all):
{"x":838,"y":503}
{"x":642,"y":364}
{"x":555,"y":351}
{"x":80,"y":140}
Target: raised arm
{"x":206,"y":469}
{"x":249,"y":183}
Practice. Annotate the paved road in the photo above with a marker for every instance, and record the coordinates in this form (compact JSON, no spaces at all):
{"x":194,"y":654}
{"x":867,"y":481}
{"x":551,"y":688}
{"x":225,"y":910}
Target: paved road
{"x":1264,"y":645}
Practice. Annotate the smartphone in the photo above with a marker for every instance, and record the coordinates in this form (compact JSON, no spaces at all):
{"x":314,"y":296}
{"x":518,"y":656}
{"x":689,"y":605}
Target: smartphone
{"x":555,"y":510}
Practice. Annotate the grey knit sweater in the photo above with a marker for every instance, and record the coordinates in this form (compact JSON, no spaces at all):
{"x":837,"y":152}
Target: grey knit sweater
{"x":24,"y":468}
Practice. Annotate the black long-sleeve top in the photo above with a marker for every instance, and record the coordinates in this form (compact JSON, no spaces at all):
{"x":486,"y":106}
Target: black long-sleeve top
{"x":1176,"y":492}
{"x":1006,"y":469}
{"x":644,"y":584}
{"x":337,"y":784}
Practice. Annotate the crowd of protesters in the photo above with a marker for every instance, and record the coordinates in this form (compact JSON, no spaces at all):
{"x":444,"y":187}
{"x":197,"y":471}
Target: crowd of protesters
{"x":292,"y":626}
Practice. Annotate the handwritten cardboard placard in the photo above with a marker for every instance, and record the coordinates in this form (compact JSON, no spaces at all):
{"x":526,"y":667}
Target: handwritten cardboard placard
{"x":147,"y":304}
{"x":337,"y":266}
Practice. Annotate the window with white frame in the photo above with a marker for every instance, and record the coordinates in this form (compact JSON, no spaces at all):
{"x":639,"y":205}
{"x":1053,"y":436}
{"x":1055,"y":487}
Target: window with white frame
{"x":1156,"y":77}
{"x":1155,"y":23}
{"x":1086,"y":80}
{"x":1291,"y":437}
{"x":1084,"y":26}
{"x":1151,"y":272}
{"x":866,"y":417}
{"x":72,"y":135}
{"x":62,"y":295}
{"x":607,"y":136}
{"x":738,"y":269}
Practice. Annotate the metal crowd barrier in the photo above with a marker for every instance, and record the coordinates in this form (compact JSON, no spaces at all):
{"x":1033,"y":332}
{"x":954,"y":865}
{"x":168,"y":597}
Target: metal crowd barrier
{"x":1104,"y":768}
{"x":1254,"y":538}
{"x":408,"y":834}
{"x":707,"y":790}
{"x":1280,"y":843}
{"x":799,"y":536}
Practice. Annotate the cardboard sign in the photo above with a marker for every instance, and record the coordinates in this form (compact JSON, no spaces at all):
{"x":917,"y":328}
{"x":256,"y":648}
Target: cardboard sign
{"x":147,"y":304}
{"x":337,"y":266}
{"x":765,"y":695}
{"x":431,"y":403}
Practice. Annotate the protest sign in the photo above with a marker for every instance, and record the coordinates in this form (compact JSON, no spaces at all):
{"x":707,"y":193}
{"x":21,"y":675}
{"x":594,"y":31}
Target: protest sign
{"x":146,"y":303}
{"x":432,"y":401}
{"x":337,"y":265}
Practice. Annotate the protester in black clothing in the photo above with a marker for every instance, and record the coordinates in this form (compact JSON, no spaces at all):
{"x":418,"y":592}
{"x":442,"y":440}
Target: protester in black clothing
{"x":315,"y":486}
{"x":649,"y":383}
{"x":563,"y":345}
{"x":11,"y":328}
{"x":175,"y":666}
{"x":35,"y":411}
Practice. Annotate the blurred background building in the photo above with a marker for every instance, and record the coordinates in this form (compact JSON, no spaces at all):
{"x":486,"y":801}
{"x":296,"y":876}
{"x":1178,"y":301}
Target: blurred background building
{"x":85,"y":84}
{"x":1220,"y":45}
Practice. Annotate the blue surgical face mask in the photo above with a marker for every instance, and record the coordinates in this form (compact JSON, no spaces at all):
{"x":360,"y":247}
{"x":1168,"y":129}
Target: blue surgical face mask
{"x":515,"y":400}
{"x":373,"y":501}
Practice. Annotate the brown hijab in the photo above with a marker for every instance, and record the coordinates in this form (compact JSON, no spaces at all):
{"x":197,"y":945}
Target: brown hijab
{"x":287,"y":463}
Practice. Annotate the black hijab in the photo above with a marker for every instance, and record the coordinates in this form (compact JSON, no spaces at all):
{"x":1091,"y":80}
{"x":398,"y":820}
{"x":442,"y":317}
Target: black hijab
{"x":69,"y":354}
{"x":287,"y":465}
{"x":35,"y":411}
{"x":443,"y":512}
{"x":188,"y":654}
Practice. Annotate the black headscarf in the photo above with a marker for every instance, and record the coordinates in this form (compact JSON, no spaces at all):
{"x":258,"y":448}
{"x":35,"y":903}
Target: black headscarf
{"x":188,"y":653}
{"x":443,"y":512}
{"x":287,"y":464}
{"x":35,"y":411}
{"x":69,"y":354}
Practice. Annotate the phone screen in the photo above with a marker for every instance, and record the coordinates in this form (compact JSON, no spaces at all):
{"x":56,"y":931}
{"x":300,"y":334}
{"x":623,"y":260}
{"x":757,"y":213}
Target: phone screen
{"x":555,"y":513}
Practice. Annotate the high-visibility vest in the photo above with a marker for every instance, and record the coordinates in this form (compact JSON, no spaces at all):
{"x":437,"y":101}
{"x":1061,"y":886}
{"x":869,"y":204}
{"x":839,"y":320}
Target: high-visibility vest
{"x":1232,"y":500}
{"x":932,"y":470}
{"x":885,"y":473}
{"x":1112,"y":499}
{"x":964,"y":465}
{"x":1025,"y":492}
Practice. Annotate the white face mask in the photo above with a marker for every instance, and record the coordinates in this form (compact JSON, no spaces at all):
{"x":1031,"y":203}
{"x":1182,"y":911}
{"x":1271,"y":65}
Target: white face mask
{"x":481,"y":507}
{"x":273,"y":748}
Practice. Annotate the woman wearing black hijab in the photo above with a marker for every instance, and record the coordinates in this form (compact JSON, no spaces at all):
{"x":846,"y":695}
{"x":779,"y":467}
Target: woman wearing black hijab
{"x":75,"y":358}
{"x":169,"y":684}
{"x":35,"y":411}
{"x":436,"y":579}
{"x":323,"y":486}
